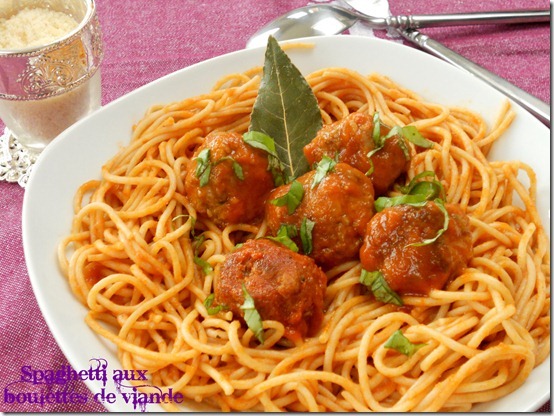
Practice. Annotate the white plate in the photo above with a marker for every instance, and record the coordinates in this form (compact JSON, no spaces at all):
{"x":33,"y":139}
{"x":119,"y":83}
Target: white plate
{"x":78,"y":154}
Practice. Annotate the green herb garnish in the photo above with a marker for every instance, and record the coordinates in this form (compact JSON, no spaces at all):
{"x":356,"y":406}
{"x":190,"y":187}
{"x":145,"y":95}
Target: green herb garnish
{"x":264,"y":142}
{"x":306,"y":229}
{"x":237,"y":168}
{"x":325,"y":166}
{"x":260,"y":141}
{"x":251,"y":316}
{"x":377,"y":138}
{"x":376,"y":282}
{"x":440,"y":205}
{"x":213,"y":310}
{"x":203,"y":167}
{"x":403,"y":345}
{"x":204,"y":265}
{"x":409,"y":133}
{"x":284,"y":236}
{"x":417,"y":194}
{"x":433,"y":188}
{"x":412,"y":134}
{"x":291,"y":199}
{"x":387,"y":202}
{"x":192,"y":221}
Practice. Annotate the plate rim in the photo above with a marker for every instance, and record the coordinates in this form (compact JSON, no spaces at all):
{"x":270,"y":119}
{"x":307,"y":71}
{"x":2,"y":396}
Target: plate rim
{"x":62,"y":138}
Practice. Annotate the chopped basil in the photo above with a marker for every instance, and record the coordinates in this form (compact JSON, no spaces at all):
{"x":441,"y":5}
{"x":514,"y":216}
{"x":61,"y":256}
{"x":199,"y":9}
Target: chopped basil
{"x":198,"y":240}
{"x":412,"y":134}
{"x":324,"y":166}
{"x":403,"y":146}
{"x":192,"y":225}
{"x":377,"y":138}
{"x":203,"y":167}
{"x":264,"y":142}
{"x":306,"y":229}
{"x":376,"y":282}
{"x":260,"y":141}
{"x":432,"y":188}
{"x":251,"y":316}
{"x":288,"y":230}
{"x":192,"y":221}
{"x":371,"y":168}
{"x":237,"y":168}
{"x":403,"y":345}
{"x":206,"y":267}
{"x":285,"y":234}
{"x":417,"y":194}
{"x":371,"y":153}
{"x":277,"y":171}
{"x":387,"y":202}
{"x":213,"y":310}
{"x":409,"y":133}
{"x":291,"y":199}
{"x":379,"y":144}
{"x":440,"y":205}
{"x":415,"y":180}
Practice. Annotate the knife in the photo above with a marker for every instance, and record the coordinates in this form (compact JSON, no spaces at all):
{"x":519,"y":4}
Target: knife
{"x":532,"y":104}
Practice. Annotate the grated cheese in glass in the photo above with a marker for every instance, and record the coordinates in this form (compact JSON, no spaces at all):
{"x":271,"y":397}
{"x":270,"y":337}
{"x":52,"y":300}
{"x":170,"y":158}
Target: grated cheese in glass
{"x":34,"y":27}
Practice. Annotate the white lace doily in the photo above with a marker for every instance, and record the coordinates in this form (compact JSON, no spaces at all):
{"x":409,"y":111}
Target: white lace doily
{"x":15,"y":161}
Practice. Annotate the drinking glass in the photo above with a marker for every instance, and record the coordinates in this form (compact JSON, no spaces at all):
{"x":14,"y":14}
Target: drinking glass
{"x":45,"y":89}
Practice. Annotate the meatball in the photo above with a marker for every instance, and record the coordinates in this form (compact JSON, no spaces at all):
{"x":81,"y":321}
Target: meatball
{"x":341,"y":205}
{"x":416,"y":269}
{"x":286,"y":286}
{"x":388,"y":164}
{"x":352,"y":139}
{"x":238,"y":180}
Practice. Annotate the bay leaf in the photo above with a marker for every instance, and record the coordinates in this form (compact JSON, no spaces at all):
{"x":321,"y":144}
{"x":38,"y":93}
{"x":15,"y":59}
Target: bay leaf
{"x":286,"y":109}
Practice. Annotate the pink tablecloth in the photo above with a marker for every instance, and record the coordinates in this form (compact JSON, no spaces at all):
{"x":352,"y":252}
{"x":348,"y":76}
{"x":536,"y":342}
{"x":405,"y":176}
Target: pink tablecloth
{"x":145,"y":40}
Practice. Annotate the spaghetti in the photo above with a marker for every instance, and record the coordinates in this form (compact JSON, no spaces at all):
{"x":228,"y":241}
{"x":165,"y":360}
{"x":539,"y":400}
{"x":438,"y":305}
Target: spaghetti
{"x":130,"y":259}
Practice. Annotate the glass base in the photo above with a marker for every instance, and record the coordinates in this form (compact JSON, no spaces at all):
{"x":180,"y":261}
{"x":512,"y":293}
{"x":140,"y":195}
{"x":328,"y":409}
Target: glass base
{"x":16,"y":162}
